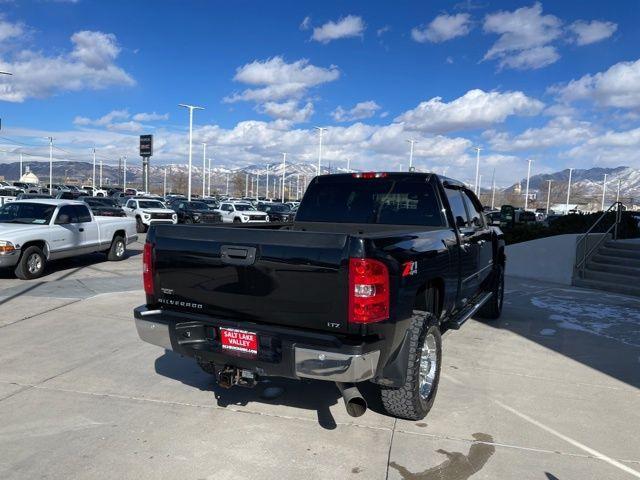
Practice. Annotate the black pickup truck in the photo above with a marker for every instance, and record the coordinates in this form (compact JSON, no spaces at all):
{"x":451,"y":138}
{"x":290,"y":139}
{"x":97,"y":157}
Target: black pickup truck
{"x":358,"y":288}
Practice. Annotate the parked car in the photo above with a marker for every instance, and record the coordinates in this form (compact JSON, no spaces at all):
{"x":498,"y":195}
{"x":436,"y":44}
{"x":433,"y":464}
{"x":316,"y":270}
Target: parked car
{"x":7,"y":195}
{"x":196,"y":212}
{"x":31,"y":196}
{"x":374,"y":268}
{"x":241,"y":212}
{"x":277,"y":212}
{"x":94,"y":191}
{"x":121,"y":197}
{"x":104,"y":207}
{"x":149,"y":212}
{"x":212,"y":203}
{"x":35,"y":232}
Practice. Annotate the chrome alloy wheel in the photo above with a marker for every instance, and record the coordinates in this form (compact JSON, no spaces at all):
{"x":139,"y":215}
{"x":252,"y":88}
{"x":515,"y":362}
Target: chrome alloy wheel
{"x":428,"y":366}
{"x":34,"y":263}
{"x":119,"y":248}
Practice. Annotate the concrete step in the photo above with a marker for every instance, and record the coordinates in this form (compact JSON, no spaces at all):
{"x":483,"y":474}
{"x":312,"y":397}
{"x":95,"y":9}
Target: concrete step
{"x":611,"y":277}
{"x":613,"y":260}
{"x":608,"y":287}
{"x":623,"y":245}
{"x":619,"y":252}
{"x":614,"y":268}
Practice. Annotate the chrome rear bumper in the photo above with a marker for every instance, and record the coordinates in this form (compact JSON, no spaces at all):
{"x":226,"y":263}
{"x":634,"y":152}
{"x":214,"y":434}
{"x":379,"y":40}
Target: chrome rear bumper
{"x":335,"y":367}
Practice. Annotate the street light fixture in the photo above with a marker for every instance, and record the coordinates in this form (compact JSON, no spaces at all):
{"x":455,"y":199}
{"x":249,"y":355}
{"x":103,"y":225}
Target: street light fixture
{"x":566,"y":210}
{"x":191,"y":109}
{"x":284,"y":169}
{"x":477,"y":149}
{"x":204,"y":167}
{"x":526,"y":195}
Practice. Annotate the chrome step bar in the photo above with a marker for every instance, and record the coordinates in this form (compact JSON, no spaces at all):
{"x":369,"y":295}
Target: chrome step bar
{"x":467,"y":313}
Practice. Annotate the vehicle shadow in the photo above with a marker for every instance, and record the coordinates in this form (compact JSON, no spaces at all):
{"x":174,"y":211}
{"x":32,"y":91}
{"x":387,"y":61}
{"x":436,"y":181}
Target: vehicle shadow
{"x":77,"y":263}
{"x":313,"y":395}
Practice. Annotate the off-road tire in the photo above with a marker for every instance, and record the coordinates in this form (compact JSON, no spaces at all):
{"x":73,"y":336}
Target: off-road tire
{"x":115,"y":254}
{"x":492,"y":309}
{"x":406,"y":402}
{"x":140,"y":227}
{"x":22,"y":268}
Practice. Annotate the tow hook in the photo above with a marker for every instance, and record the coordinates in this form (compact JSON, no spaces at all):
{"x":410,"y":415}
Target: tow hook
{"x":230,"y":376}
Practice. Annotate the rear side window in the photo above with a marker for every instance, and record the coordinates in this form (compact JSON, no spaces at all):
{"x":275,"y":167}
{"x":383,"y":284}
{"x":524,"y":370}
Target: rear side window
{"x":475,"y":216}
{"x":82,"y":213}
{"x":386,"y":201}
{"x":457,"y":207}
{"x":68,"y":213}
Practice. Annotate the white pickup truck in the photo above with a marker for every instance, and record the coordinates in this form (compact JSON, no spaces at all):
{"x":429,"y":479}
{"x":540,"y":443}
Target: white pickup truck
{"x":33,"y":232}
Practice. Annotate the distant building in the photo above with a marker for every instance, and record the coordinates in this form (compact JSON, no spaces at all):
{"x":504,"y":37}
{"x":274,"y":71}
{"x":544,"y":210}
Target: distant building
{"x":30,"y":177}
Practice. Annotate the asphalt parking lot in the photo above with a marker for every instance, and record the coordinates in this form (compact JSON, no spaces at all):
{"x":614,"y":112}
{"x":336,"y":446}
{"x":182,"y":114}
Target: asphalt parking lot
{"x":551,"y":391}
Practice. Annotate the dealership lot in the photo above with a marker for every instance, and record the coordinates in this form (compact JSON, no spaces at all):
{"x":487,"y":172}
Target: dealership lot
{"x":548,"y":392}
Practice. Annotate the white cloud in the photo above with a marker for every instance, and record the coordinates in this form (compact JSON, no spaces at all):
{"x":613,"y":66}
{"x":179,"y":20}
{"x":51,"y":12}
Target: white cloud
{"x":475,"y":109}
{"x":612,"y":148}
{"x":120,"y":120}
{"x":289,"y":110}
{"x":346,"y":27}
{"x":525,"y":37}
{"x":443,"y":28}
{"x":360,"y":111}
{"x":150,"y":117}
{"x":90,"y":65}
{"x":382,"y":30}
{"x":10,"y":30}
{"x":586,"y":33}
{"x":306,"y":23}
{"x":558,"y":131}
{"x":104,"y":120}
{"x":619,"y":87}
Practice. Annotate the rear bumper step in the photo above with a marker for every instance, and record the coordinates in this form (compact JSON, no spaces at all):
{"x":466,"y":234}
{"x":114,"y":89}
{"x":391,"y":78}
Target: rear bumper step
{"x":283,"y":352}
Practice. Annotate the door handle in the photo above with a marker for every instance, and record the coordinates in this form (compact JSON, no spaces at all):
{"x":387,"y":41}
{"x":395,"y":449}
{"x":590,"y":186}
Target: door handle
{"x":81,"y":229}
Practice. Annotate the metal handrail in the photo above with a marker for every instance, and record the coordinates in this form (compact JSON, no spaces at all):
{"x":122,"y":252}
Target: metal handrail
{"x":586,"y":255}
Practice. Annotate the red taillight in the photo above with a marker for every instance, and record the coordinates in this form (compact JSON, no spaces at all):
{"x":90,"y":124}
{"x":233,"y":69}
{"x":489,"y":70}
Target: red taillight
{"x":147,"y":268}
{"x":368,"y":175}
{"x":368,"y":290}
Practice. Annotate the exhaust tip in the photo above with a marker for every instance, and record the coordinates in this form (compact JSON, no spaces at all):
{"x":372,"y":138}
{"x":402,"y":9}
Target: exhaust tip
{"x":354,"y":402}
{"x":356,"y":407}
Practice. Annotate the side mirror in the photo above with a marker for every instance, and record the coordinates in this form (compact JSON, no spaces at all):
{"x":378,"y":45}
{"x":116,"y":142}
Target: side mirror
{"x":461,"y":222}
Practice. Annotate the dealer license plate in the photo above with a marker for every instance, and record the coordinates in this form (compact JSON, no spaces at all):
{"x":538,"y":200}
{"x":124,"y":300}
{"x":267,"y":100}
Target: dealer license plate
{"x":239,"y":340}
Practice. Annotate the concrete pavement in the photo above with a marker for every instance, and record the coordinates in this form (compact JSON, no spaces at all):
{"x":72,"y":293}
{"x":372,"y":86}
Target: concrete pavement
{"x":551,"y":391}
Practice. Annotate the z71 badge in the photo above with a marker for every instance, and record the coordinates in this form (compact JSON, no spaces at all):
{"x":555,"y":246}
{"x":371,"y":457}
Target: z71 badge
{"x":410,"y":268}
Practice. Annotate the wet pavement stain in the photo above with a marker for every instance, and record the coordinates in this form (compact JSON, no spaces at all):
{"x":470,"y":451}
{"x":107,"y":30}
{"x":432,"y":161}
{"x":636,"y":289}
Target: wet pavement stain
{"x":457,"y":466}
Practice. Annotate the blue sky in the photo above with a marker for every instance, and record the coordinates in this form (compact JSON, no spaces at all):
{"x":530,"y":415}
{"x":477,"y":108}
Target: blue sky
{"x":556,"y":82}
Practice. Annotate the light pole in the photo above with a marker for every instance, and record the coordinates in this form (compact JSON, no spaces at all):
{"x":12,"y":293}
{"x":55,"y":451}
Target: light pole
{"x":204,"y":167}
{"x":526,"y":195}
{"x":93,"y":184}
{"x":124,"y":173}
{"x":267,"y":186}
{"x":548,"y":195}
{"x":227,"y":191}
{"x":164,"y":185}
{"x":477,"y":149}
{"x":493,"y":189}
{"x":604,"y":190}
{"x":348,"y":164}
{"x":618,"y":192}
{"x":246,"y":184}
{"x":321,"y":130}
{"x":566,"y":210}
{"x":479,"y":187}
{"x":20,"y":176}
{"x":412,"y":142}
{"x":209,"y":183}
{"x":284,"y":166}
{"x":191,"y":109}
{"x":258,"y":185}
{"x":50,"y":163}
{"x":100,"y":173}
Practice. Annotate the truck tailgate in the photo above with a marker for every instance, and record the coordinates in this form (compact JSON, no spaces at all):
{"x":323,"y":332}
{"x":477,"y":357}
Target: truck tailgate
{"x":281,"y":277}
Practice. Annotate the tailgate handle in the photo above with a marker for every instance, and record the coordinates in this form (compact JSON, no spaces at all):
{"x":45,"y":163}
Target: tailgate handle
{"x":233,"y":255}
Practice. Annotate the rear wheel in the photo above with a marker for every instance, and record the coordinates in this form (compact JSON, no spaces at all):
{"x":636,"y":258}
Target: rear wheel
{"x":188,"y":220}
{"x":415,"y":398}
{"x":31,"y":264}
{"x":118,"y":250}
{"x":492,"y":309}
